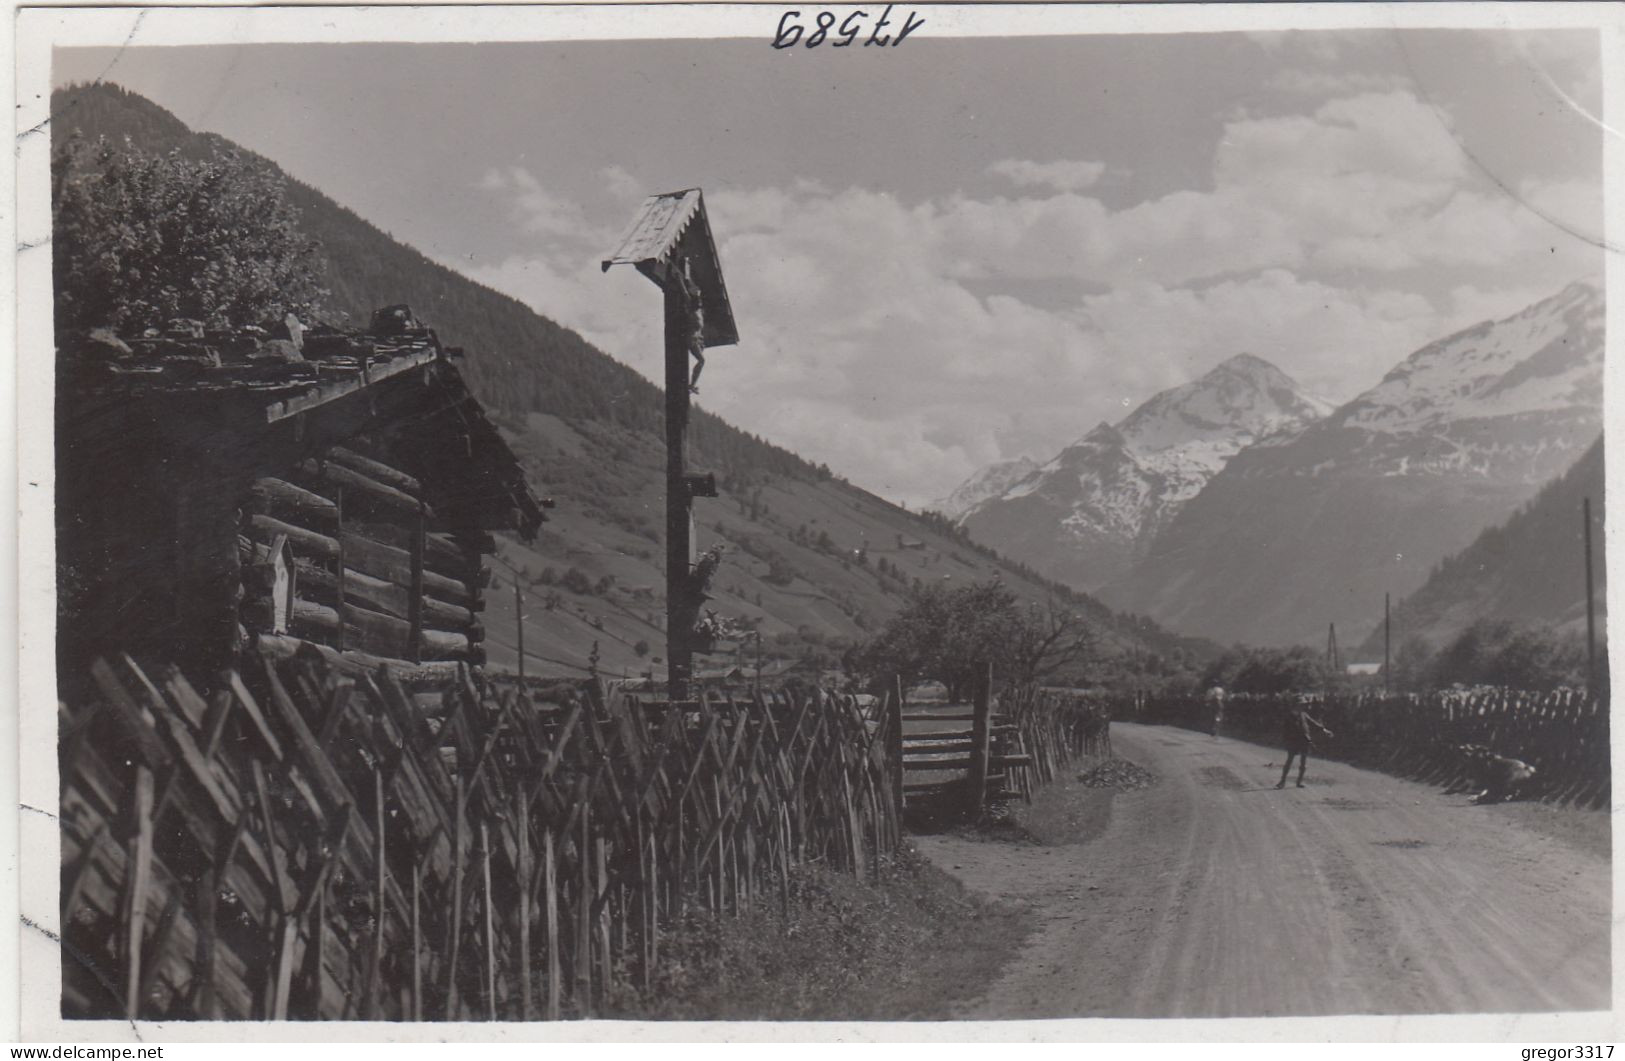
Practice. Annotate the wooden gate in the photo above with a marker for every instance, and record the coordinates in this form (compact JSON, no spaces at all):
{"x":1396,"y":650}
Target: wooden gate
{"x":965,"y":748}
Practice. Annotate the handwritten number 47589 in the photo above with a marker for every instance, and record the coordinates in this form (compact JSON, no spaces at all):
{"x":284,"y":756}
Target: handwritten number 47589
{"x":791,"y":29}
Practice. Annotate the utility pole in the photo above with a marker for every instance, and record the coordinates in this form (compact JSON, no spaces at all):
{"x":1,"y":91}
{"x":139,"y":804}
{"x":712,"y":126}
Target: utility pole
{"x":669,"y":242}
{"x":1591,"y":610}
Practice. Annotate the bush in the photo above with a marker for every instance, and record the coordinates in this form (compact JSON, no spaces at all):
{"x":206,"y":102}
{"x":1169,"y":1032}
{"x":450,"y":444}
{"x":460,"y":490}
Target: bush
{"x":778,"y":573}
{"x":1498,"y":652}
{"x":1269,"y":670}
{"x":141,"y":240}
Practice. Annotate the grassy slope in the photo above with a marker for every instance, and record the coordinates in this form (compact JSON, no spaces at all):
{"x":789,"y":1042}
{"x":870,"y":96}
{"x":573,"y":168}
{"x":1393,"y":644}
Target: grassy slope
{"x":909,"y":946}
{"x":832,"y":598}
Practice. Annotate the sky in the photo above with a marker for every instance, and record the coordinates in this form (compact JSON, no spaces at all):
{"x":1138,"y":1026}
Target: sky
{"x":964,"y":250}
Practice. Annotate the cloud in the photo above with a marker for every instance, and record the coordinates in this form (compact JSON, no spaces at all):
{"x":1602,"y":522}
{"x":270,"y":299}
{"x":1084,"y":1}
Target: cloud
{"x":622,"y":184}
{"x":1305,"y":82}
{"x":1333,"y":242}
{"x":537,"y":209}
{"x":1061,"y":176}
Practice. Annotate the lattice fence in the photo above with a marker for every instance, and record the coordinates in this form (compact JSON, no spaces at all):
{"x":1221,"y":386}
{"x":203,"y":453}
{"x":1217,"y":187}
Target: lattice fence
{"x":299,"y":842}
{"x":1562,"y":733}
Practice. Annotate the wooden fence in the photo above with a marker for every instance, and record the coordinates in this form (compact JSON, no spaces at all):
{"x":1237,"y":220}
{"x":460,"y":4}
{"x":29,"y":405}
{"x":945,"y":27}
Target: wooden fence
{"x":300,"y":842}
{"x":1057,"y":727}
{"x":994,"y":749}
{"x":1563,"y":733}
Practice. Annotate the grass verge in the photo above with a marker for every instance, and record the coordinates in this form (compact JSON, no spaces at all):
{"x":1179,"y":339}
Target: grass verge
{"x":907,"y":947}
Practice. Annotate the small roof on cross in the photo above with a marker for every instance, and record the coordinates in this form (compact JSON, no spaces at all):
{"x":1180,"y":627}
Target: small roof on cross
{"x":673,"y":224}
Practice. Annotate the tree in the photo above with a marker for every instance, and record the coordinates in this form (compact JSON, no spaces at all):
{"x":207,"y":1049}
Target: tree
{"x":1411,"y":664}
{"x":140,"y":240}
{"x":1273,"y":670}
{"x":1268,"y":670}
{"x":1049,"y":639}
{"x":1499,"y":652}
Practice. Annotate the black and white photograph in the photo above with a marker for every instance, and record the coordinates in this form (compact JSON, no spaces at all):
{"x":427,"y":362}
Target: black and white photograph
{"x":738,"y":513}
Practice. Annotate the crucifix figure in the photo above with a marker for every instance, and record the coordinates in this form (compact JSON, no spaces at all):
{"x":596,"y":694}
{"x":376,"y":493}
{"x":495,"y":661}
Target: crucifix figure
{"x":695,"y":307}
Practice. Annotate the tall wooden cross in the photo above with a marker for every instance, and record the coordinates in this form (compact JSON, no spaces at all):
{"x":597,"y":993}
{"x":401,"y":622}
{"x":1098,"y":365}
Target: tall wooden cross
{"x":669,"y":241}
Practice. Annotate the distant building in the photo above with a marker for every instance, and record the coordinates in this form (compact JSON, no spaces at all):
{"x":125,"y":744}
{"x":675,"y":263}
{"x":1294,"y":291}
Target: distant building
{"x":1363,"y":670}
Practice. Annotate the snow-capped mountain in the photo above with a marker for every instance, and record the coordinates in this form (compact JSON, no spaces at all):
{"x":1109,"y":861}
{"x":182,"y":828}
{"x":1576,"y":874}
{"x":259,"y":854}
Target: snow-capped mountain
{"x":1088,"y":513}
{"x":985,"y":485}
{"x":1308,"y":528}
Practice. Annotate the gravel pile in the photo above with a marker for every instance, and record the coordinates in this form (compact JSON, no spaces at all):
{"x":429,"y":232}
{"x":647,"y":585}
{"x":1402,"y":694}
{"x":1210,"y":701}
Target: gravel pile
{"x":1118,"y":773}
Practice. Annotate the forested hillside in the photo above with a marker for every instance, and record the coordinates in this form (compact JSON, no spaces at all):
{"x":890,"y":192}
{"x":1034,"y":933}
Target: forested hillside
{"x":812,"y":563}
{"x":1530,"y":569}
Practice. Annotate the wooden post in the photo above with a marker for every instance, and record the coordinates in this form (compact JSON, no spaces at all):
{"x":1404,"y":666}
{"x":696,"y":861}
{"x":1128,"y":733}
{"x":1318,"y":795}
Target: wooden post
{"x":376,"y":974}
{"x":519,"y":621}
{"x":338,"y":536}
{"x":456,"y":897}
{"x":550,"y":870}
{"x":784,"y":860}
{"x":583,"y":945}
{"x":490,"y":938}
{"x":679,"y":332}
{"x":526,"y":872}
{"x":894,"y":748}
{"x":417,"y":940}
{"x":601,"y":894}
{"x":137,"y":885}
{"x":981,"y":733}
{"x":1591,"y":609}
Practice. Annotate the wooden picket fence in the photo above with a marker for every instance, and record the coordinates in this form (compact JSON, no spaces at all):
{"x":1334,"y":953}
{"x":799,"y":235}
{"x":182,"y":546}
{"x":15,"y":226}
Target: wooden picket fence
{"x":1563,"y":733}
{"x":1057,"y":728}
{"x":299,"y":842}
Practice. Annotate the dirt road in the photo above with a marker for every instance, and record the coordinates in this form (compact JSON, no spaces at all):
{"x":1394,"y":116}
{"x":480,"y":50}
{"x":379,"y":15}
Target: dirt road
{"x":1211,"y":894}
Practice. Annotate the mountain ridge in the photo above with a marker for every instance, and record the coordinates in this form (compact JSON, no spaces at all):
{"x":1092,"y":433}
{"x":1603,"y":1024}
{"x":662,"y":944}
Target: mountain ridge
{"x":1307,"y":529}
{"x":1087,"y":514}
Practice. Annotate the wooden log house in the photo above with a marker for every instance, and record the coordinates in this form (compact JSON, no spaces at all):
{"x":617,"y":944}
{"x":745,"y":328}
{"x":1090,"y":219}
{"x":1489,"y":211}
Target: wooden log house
{"x":225,"y":492}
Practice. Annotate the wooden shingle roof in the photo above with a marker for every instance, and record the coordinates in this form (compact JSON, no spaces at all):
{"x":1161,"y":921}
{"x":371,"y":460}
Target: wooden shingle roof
{"x":675,"y":222}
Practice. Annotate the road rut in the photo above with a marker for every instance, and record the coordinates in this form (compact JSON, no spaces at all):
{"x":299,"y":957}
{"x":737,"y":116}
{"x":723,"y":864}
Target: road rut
{"x":1212,"y":894}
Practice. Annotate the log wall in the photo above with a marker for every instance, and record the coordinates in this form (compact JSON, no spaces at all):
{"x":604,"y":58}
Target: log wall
{"x":376,"y":569}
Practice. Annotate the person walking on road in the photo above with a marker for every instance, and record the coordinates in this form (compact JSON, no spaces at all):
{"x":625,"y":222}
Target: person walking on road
{"x":1215,"y":706}
{"x":1296,"y":735}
